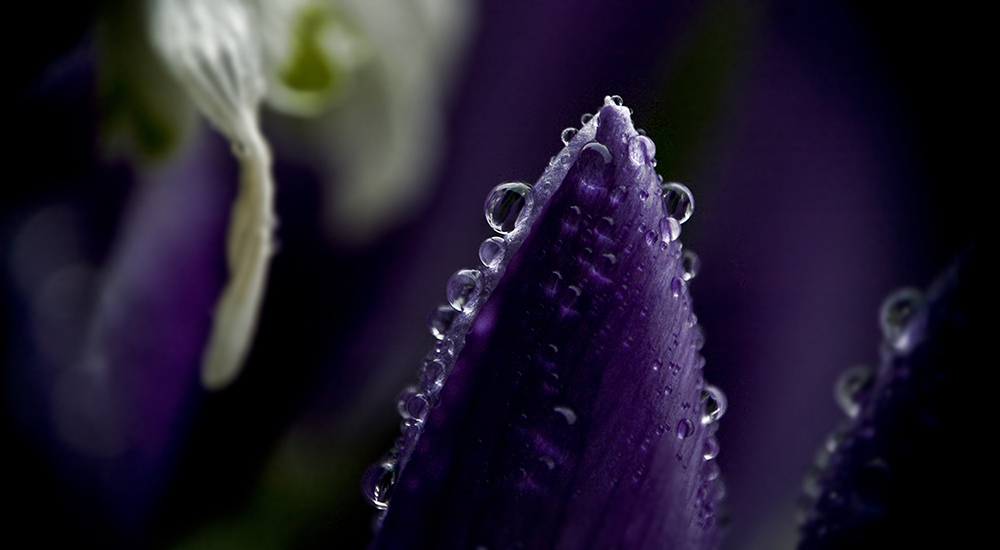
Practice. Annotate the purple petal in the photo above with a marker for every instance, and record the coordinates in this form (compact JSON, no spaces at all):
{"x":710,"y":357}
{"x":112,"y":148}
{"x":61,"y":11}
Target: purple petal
{"x":893,"y":479}
{"x":575,"y":416}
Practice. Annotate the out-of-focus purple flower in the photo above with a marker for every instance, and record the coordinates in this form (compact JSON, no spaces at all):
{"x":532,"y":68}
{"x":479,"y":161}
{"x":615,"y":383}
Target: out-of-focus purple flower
{"x":890,"y":474}
{"x":575,"y":415}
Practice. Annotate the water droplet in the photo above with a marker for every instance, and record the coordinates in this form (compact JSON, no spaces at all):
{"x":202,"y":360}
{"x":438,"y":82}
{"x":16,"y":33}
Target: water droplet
{"x":505,"y":204}
{"x":567,"y":135}
{"x":713,"y":403}
{"x":691,"y":264}
{"x":552,"y":284}
{"x":711,"y":449}
{"x":599,"y":149}
{"x":677,"y":200}
{"x":491,"y":251}
{"x":585,"y":118}
{"x":617,"y":100}
{"x":698,"y":342}
{"x":651,"y":237}
{"x":567,"y":298}
{"x":670,"y":229}
{"x":897,"y":311}
{"x":676,"y":286}
{"x":605,"y":226}
{"x":641,"y":150}
{"x":851,"y":388}
{"x":606,"y":264}
{"x":432,"y":375}
{"x":567,"y":413}
{"x":463,"y":287}
{"x":548,"y":353}
{"x":684,"y":428}
{"x":440,"y":320}
{"x":378,"y":482}
{"x":643,"y":194}
{"x":403,"y":398}
{"x":417,"y":406}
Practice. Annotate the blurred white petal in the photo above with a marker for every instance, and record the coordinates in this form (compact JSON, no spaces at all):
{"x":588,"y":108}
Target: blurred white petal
{"x":213,"y":49}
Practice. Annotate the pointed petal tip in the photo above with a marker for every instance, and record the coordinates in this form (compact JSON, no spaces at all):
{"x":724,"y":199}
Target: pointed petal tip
{"x":576,"y":413}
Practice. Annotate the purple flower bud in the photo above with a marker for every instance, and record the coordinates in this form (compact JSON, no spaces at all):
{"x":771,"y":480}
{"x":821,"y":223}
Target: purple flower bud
{"x":575,"y":415}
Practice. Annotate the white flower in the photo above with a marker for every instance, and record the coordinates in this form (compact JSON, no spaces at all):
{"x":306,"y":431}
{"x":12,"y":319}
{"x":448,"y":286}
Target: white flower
{"x":370,"y":72}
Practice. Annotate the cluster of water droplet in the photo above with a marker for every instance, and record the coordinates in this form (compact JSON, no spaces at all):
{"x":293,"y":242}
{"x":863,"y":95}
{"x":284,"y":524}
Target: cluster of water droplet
{"x":511,"y":209}
{"x":901,"y":323}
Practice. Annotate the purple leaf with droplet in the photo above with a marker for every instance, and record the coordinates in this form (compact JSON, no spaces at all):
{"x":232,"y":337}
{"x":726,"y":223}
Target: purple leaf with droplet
{"x":575,"y":415}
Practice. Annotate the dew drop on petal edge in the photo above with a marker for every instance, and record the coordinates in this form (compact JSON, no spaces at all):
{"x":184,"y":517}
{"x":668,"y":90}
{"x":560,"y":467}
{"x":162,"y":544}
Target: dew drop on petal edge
{"x":432,"y":375}
{"x":851,"y":386}
{"x":491,"y":251}
{"x":714,"y":404}
{"x":417,"y":406}
{"x":378,"y":482}
{"x":711,"y":449}
{"x":463,"y":287}
{"x":690,"y":263}
{"x":403,"y":399}
{"x":677,"y":200}
{"x":567,"y":135}
{"x":896,"y":313}
{"x":504,"y":206}
{"x":440,"y":320}
{"x":670,"y":229}
{"x":641,"y":150}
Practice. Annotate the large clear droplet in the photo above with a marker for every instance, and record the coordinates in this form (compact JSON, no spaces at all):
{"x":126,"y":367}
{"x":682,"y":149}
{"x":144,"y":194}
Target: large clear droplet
{"x":432,"y":375}
{"x":714,"y":404}
{"x":851,"y":387}
{"x":897,"y":311}
{"x":567,"y":135}
{"x":463,"y":287}
{"x":417,"y":406}
{"x":595,"y":150}
{"x":641,"y":150}
{"x":505,"y":204}
{"x":491,"y":251}
{"x":378,"y":482}
{"x":690,"y":263}
{"x":677,"y":200}
{"x":403,"y":398}
{"x":617,"y":100}
{"x":440,"y":320}
{"x":711,"y":449}
{"x":585,"y":118}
